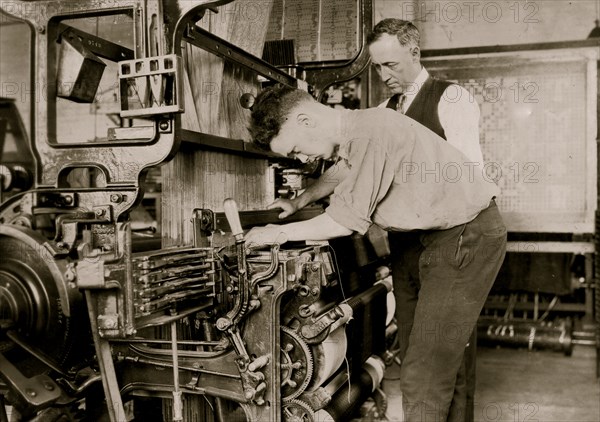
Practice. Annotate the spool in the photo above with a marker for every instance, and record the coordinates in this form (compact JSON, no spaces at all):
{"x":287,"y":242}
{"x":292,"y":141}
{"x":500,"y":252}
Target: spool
{"x":328,"y":356}
{"x":530,"y":334}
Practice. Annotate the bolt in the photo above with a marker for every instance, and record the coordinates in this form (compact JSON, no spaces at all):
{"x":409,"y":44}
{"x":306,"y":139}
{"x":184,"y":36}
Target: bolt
{"x":223,"y":323}
{"x":99,"y":212}
{"x":48,"y":386}
{"x":315,"y":291}
{"x":68,"y":200}
{"x":108,"y":322}
{"x":164,"y":125}
{"x":303,"y":291}
{"x":315,"y":267}
{"x":61,"y":245}
{"x":304,"y":311}
{"x":30,"y":392}
{"x":116,"y":198}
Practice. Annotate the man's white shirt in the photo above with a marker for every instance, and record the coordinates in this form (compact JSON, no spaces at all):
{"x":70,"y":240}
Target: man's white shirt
{"x":458,"y":113}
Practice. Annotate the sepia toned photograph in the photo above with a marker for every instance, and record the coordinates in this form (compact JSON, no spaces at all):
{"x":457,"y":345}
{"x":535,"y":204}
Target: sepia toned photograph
{"x":299,"y":211}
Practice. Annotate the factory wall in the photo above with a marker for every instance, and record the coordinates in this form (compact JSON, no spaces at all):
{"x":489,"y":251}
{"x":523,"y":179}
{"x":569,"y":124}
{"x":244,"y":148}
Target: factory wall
{"x":443,"y":24}
{"x":470,"y":23}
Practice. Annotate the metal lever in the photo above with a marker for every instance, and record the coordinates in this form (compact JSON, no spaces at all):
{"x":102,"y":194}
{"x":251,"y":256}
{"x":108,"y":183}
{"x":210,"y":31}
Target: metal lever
{"x":233,"y":218}
{"x":177,"y":402}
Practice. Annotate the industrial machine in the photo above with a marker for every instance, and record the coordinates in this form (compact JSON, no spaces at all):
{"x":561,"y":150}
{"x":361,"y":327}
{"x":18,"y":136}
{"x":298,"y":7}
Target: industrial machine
{"x":91,"y":329}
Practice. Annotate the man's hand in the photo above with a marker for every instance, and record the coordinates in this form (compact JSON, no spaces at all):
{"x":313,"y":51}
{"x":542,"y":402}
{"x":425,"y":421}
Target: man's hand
{"x":267,"y":235}
{"x":289,"y":207}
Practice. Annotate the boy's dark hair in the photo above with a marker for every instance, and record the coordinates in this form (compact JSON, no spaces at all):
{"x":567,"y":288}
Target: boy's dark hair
{"x":271,"y":109}
{"x":405,"y":31}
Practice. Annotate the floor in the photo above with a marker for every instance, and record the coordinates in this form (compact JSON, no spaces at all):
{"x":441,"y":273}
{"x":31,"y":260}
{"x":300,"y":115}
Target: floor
{"x":520,"y":386}
{"x":517,"y":385}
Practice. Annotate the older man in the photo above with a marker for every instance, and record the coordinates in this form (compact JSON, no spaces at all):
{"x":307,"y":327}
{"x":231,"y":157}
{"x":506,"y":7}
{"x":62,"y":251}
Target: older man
{"x":450,"y":111}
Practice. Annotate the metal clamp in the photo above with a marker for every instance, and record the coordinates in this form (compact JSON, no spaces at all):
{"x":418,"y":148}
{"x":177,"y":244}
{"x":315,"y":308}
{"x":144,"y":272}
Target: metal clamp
{"x":157,"y":83}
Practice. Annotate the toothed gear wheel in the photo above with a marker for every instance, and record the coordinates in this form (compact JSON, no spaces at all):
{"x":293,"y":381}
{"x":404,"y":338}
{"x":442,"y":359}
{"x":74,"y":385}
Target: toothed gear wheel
{"x":296,"y":364}
{"x":297,"y":411}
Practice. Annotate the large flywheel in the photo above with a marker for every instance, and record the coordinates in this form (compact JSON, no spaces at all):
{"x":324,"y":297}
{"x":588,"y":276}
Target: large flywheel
{"x":35,"y":299}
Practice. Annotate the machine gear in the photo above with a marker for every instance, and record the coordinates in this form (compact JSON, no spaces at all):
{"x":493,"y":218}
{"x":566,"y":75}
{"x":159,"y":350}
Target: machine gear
{"x":297,"y":411}
{"x":296,"y":364}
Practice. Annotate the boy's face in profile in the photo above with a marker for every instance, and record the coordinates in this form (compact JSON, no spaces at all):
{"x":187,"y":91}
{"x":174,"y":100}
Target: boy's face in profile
{"x":302,"y":138}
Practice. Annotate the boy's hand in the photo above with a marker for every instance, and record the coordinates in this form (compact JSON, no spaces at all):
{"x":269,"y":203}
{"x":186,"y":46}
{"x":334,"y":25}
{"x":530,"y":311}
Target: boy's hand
{"x":288,"y":206}
{"x":267,"y":235}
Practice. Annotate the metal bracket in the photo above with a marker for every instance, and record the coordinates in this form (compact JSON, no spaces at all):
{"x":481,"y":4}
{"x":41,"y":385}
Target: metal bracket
{"x":203,"y":221}
{"x":156,"y":80}
{"x":36,"y":392}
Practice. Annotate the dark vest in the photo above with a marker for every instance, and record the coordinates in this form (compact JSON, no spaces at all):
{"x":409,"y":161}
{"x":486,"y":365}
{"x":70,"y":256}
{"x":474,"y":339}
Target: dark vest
{"x":424,"y":108}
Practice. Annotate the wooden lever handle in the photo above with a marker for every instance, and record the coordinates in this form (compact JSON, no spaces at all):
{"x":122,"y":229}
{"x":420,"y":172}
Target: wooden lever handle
{"x":233,"y":218}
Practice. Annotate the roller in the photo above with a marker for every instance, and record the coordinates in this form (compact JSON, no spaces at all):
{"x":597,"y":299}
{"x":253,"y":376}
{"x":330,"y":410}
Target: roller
{"x":328,"y":356}
{"x":348,"y":399}
{"x":530,"y":334}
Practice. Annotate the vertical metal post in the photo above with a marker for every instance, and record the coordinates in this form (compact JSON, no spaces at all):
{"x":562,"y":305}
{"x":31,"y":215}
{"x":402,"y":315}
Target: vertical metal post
{"x":3,"y":416}
{"x":589,"y":289}
{"x":114,"y":402}
{"x":177,"y":403}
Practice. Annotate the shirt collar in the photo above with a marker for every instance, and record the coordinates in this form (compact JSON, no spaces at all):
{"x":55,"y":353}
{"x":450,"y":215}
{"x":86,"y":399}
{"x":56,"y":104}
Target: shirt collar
{"x":347,"y":129}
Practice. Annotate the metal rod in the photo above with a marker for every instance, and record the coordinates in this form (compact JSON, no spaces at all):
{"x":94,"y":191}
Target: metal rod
{"x":263,"y":217}
{"x":177,"y":403}
{"x":159,"y":341}
{"x":3,"y":416}
{"x":584,"y":342}
{"x":38,"y":354}
{"x":99,"y":46}
{"x":219,"y":47}
{"x":114,"y":402}
{"x":158,"y":363}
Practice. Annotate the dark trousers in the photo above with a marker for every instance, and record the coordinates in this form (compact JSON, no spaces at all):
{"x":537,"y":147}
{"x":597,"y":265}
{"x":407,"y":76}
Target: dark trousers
{"x":441,"y":280}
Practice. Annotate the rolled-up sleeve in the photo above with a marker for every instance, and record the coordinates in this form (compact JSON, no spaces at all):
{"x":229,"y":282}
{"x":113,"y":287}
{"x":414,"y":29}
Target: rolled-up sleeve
{"x":371,"y":173}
